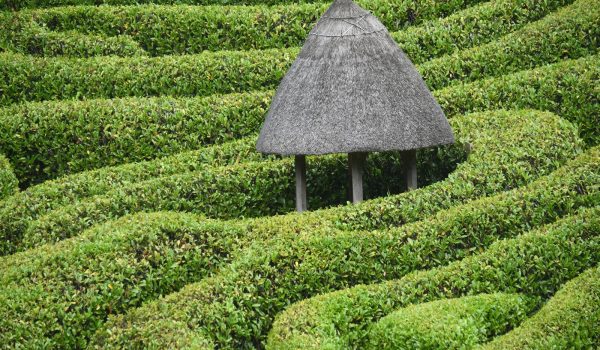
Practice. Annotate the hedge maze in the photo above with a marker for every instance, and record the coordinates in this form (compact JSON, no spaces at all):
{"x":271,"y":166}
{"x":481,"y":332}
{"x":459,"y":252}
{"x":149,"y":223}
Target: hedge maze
{"x":136,"y":213}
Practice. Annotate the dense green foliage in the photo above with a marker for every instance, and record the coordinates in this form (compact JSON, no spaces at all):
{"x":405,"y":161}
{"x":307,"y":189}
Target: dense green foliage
{"x":303,"y":262}
{"x":145,"y":218}
{"x":32,"y":39}
{"x":449,"y":323}
{"x":53,"y":138}
{"x":568,"y":33}
{"x":536,"y":264}
{"x":8,"y":180}
{"x":473,"y":26}
{"x":247,"y":189}
{"x":569,"y":320}
{"x":111,"y":131}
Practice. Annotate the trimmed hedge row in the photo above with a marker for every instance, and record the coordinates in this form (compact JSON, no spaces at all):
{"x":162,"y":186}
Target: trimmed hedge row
{"x":473,"y":26}
{"x":107,"y":270}
{"x":567,"y":88}
{"x":256,"y":189}
{"x":34,"y":40}
{"x":25,"y":78}
{"x":8,"y":180}
{"x":570,"y":319}
{"x":183,"y":29}
{"x":235,"y":307}
{"x":466,"y":28}
{"x":99,"y":246}
{"x":450,"y":323}
{"x":50,"y":139}
{"x":34,"y":79}
{"x":250,"y":189}
{"x":571,"y":32}
{"x":536,"y":263}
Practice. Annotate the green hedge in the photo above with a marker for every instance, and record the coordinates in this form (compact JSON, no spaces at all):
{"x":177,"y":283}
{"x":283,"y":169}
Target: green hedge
{"x":191,"y":29}
{"x":96,"y":249}
{"x":570,"y":320}
{"x":571,"y":32}
{"x":450,"y":323}
{"x":105,"y":271}
{"x":34,"y":79}
{"x":49,"y":139}
{"x":535,"y":263}
{"x":31,"y":39}
{"x":17,"y":212}
{"x":241,"y":28}
{"x":567,"y":88}
{"x":235,"y":307}
{"x":249,"y":189}
{"x":257,"y":189}
{"x":25,"y":78}
{"x":8,"y":180}
{"x":473,"y":26}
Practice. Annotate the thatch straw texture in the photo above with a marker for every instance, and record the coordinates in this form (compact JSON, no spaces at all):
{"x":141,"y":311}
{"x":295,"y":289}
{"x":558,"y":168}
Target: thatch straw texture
{"x":352,"y":89}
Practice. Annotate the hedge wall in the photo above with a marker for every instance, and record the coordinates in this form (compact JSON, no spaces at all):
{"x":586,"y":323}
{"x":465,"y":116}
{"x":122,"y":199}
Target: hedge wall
{"x":567,"y":88}
{"x":473,"y":26}
{"x":49,"y":139}
{"x":249,"y":189}
{"x":235,"y":307}
{"x":395,"y":14}
{"x":107,"y":270}
{"x":255,"y":189}
{"x":31,"y":39}
{"x":143,"y":246}
{"x":536,"y":263}
{"x":571,"y":32}
{"x":570,"y":319}
{"x":18,"y":211}
{"x":445,"y":324}
{"x":8,"y":180}
{"x":189,"y":29}
{"x":34,"y":79}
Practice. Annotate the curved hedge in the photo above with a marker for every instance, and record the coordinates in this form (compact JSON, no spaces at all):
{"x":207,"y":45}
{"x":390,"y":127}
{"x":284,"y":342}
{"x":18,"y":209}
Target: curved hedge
{"x":449,"y":323}
{"x":17,"y":211}
{"x":536,"y":263}
{"x":107,"y":270}
{"x":473,"y":26}
{"x":31,"y":39}
{"x":256,"y":189}
{"x":393,"y":13}
{"x":571,"y":32}
{"x":49,"y":139}
{"x":96,"y":249}
{"x":235,"y":308}
{"x":34,"y":79}
{"x":190,"y":29}
{"x":567,"y":88}
{"x":249,"y":189}
{"x":570,"y":319}
{"x":8,"y":180}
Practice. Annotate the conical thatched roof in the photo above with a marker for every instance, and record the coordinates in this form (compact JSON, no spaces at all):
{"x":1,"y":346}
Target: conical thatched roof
{"x":352,"y":89}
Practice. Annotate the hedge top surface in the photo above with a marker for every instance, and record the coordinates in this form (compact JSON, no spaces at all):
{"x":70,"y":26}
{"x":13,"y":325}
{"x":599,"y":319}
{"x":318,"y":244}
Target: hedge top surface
{"x":352,"y":89}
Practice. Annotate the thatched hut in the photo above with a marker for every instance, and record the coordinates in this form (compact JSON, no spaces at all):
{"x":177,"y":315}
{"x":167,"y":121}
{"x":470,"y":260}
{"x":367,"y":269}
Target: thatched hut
{"x":352,"y":90}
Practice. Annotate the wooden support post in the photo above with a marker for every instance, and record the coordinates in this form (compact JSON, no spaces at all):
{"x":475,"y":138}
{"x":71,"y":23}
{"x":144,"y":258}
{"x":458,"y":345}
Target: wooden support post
{"x":301,"y":202}
{"x":356,"y":163}
{"x":409,"y":164}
